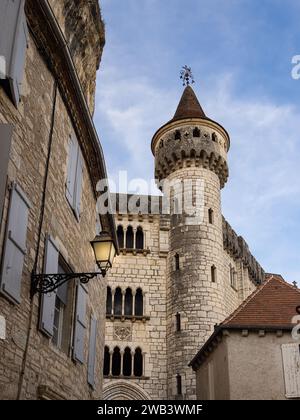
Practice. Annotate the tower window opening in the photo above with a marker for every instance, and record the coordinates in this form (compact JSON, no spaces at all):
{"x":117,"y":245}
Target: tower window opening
{"x":211,"y":216}
{"x":120,"y":235}
{"x":179,"y":384}
{"x":139,"y":303}
{"x":128,"y":302}
{"x":178,"y":322}
{"x":177,"y":135}
{"x":116,"y":362}
{"x":214,"y":137}
{"x":129,"y":238}
{"x":106,"y":366}
{"x":108,"y":301}
{"x":213,"y":274}
{"x":127,"y":362}
{"x":196,"y":132}
{"x":118,"y":302}
{"x":139,"y":238}
{"x":138,"y":362}
{"x":177,"y":264}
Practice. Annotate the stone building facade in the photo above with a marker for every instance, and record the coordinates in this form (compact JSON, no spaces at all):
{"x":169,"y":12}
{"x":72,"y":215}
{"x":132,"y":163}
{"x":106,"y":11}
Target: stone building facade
{"x":51,"y":346}
{"x":259,"y":342}
{"x":182,"y":269}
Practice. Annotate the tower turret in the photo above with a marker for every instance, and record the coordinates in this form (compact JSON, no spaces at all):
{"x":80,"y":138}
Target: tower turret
{"x":190,"y":150}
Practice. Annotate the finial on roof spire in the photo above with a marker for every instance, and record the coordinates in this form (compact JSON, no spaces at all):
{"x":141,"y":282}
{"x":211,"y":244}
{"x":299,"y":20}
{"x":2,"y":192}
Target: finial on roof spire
{"x":186,"y":76}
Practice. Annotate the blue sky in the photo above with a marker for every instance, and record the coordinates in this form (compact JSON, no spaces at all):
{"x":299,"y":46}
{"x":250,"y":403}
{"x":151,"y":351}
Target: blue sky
{"x":240,"y":52}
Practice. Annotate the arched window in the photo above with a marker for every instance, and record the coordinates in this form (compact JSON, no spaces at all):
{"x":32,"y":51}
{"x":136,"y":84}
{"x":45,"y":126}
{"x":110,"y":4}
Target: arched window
{"x":196,"y":132}
{"x":120,"y":234}
{"x":214,"y":137}
{"x":139,"y":304}
{"x":118,"y":302}
{"x":106,"y":365}
{"x":139,"y":240}
{"x":127,"y":362}
{"x":177,"y":135}
{"x":128,"y":302}
{"x":177,"y":265}
{"x":138,"y":362}
{"x":211,"y":216}
{"x":129,"y":238}
{"x":116,"y":362}
{"x":108,"y":301}
{"x":213,"y":274}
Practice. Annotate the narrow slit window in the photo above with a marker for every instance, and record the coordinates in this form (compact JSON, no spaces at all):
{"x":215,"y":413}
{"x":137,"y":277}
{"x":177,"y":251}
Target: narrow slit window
{"x":213,"y":274}
{"x":179,"y":384}
{"x":211,"y":216}
{"x":177,"y":263}
{"x":178,"y":322}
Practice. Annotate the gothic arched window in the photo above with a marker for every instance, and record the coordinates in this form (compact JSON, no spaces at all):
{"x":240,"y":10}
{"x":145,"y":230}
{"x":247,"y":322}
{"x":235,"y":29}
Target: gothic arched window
{"x":177,"y":135}
{"x":118,"y":302}
{"x":139,"y":303}
{"x":127,"y":362}
{"x":108,"y":301}
{"x":116,"y":362}
{"x":196,"y":132}
{"x":129,"y":238}
{"x":139,"y":240}
{"x":138,"y":362}
{"x":120,"y":234}
{"x":106,"y":365}
{"x":128,"y":302}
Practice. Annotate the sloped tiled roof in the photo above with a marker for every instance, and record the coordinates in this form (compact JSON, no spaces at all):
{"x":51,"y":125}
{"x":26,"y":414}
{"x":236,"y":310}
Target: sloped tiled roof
{"x":189,"y":106}
{"x":273,"y":303}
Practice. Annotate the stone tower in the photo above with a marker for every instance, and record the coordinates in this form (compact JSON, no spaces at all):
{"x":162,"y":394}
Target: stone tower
{"x":191,"y":153}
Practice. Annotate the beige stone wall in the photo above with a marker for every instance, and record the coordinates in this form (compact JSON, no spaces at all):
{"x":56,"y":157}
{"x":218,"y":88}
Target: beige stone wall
{"x":245,"y":367}
{"x":212,"y":378}
{"x":45,"y":364}
{"x":147,"y":273}
{"x":83,"y":28}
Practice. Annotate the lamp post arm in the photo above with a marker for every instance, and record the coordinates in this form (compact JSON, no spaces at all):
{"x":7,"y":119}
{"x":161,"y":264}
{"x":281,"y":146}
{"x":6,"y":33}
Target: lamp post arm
{"x":47,"y":283}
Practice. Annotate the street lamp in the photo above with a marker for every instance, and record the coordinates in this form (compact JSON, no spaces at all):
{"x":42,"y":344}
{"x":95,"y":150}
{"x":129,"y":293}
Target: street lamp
{"x":104,"y":251}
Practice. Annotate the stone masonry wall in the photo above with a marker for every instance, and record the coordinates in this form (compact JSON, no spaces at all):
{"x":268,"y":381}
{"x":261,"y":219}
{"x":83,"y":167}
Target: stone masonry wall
{"x":46,"y":366}
{"x":149,"y":273}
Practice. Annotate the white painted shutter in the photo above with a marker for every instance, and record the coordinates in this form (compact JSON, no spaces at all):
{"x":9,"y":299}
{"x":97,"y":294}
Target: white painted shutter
{"x":71,"y":175}
{"x":13,"y":43}
{"x":291,"y":367}
{"x":6,"y":131}
{"x":48,"y":299}
{"x":80,"y":324}
{"x":15,"y":244}
{"x":78,"y":184}
{"x":92,"y":351}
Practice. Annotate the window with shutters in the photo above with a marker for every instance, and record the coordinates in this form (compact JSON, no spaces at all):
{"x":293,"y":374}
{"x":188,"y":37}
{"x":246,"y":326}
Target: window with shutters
{"x":74,"y":176}
{"x":13,"y":45}
{"x":291,"y":368}
{"x":14,"y":250}
{"x":63,"y":312}
{"x":80,"y":324}
{"x":6,"y":131}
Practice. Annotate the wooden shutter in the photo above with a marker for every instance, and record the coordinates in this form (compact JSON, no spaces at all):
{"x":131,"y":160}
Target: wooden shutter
{"x":92,"y":351}
{"x":291,"y":367}
{"x":13,"y":43}
{"x":15,"y":244}
{"x":6,"y":131}
{"x":48,"y":299}
{"x":78,"y":184}
{"x":71,"y":175}
{"x":80,"y":324}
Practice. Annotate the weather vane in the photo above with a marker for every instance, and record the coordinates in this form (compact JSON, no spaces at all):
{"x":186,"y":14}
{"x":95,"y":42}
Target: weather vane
{"x":186,"y":76}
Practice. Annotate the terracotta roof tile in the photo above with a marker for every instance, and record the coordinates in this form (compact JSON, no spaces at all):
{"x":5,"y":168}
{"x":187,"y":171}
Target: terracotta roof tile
{"x":273,"y":303}
{"x":189,"y":106}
